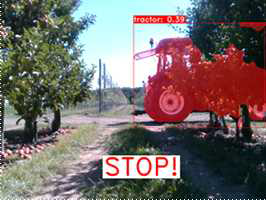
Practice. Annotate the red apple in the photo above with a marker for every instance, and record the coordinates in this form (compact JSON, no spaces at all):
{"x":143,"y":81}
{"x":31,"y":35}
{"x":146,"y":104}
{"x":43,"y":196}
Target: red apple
{"x":9,"y":152}
{"x":5,"y":155}
{"x":27,"y":150}
{"x":39,"y":146}
{"x":21,"y":151}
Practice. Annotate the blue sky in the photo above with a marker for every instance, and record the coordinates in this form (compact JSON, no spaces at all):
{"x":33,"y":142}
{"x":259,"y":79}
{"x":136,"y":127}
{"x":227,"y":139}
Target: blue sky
{"x":111,"y":38}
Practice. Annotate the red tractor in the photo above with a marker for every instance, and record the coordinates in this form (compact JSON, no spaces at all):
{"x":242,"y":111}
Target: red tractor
{"x":184,"y":82}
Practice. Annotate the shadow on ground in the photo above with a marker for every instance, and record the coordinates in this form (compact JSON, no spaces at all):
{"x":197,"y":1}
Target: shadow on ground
{"x":195,"y":167}
{"x":154,"y":123}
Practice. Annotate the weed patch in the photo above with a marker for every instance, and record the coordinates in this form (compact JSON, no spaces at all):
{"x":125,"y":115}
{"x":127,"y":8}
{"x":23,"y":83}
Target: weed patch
{"x":139,"y":141}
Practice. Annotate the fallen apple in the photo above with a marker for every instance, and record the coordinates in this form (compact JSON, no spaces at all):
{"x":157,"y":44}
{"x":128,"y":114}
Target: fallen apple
{"x":9,"y":152}
{"x":4,"y":154}
{"x":21,"y":151}
{"x":27,"y":150}
{"x":39,"y":146}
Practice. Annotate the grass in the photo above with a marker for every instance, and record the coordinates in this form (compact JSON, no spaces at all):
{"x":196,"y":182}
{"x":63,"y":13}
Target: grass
{"x":139,"y":141}
{"x":119,"y":110}
{"x":23,"y":179}
{"x":238,"y":162}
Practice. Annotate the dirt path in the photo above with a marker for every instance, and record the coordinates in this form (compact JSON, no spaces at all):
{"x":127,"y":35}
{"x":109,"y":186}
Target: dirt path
{"x":77,"y":174}
{"x":82,"y":172}
{"x":10,"y":122}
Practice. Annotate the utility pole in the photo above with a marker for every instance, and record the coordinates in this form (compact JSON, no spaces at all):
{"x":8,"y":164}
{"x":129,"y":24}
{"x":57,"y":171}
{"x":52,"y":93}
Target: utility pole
{"x":151,"y":42}
{"x":100,"y":86}
{"x":104,"y":76}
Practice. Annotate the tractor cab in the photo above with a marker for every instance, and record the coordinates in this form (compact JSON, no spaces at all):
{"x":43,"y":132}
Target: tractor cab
{"x":170,"y":52}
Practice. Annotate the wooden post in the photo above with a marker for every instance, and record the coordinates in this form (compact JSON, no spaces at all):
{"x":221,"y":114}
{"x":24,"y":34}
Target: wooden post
{"x":100,"y":85}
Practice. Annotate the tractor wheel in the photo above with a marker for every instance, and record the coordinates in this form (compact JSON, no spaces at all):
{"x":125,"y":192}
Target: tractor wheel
{"x":164,"y":105}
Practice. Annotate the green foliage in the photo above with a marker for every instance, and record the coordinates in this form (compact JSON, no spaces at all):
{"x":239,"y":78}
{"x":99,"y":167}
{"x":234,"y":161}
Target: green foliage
{"x":39,"y":75}
{"x":43,"y":68}
{"x":24,"y":71}
{"x":212,"y":37}
{"x":53,"y":16}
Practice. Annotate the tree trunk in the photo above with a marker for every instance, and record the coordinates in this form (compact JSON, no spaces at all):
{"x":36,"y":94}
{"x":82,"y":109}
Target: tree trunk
{"x":57,"y":120}
{"x":211,"y":121}
{"x":211,"y":125}
{"x":30,"y":130}
{"x":225,"y":128}
{"x":237,"y":127}
{"x":214,"y":123}
{"x":217,"y":123}
{"x":246,"y":127}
